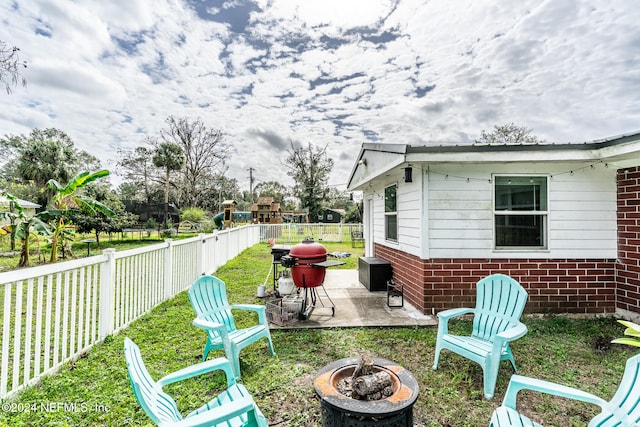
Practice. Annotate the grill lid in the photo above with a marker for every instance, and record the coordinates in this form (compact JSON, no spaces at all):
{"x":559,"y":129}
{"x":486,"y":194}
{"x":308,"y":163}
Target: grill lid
{"x":308,"y":249}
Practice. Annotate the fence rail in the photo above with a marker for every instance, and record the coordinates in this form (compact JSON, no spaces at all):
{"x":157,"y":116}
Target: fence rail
{"x":295,"y":233}
{"x":54,"y":313}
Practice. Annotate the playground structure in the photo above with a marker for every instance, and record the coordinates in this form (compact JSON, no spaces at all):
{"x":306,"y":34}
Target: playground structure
{"x":266,"y":211}
{"x":227,"y":218}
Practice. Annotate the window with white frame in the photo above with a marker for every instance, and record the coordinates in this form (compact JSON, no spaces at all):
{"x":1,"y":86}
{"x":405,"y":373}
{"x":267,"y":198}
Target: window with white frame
{"x":390,"y":213}
{"x":520,"y":212}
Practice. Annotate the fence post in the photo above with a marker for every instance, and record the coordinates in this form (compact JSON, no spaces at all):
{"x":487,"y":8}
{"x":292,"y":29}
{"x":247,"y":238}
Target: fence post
{"x":168,"y":269}
{"x":107,"y":285}
{"x":201,"y":252}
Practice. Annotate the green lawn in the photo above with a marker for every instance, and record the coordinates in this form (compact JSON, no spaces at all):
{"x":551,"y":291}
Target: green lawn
{"x":95,"y":390}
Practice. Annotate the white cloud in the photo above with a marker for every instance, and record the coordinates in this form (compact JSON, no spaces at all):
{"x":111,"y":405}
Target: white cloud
{"x":328,"y":72}
{"x":335,"y":14}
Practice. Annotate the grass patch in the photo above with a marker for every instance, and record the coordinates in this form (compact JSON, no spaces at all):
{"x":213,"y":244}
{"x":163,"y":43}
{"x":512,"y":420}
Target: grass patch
{"x":556,"y":349}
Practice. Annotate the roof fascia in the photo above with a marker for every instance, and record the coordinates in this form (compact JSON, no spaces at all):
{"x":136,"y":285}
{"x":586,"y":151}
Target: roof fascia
{"x":623,"y":150}
{"x":366,"y":169}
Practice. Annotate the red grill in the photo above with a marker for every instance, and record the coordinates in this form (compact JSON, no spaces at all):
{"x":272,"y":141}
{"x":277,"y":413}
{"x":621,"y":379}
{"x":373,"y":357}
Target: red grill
{"x":303,"y":256}
{"x":308,"y":264}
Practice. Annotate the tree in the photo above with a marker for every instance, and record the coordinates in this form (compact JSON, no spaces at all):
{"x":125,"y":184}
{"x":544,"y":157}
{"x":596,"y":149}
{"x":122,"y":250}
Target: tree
{"x":204,"y":156}
{"x":170,"y":157}
{"x":353,"y":214}
{"x":138,"y":168}
{"x":46,"y":159}
{"x":130,"y":191}
{"x":218,"y":189}
{"x":310,"y":168}
{"x":193,"y":214}
{"x":10,"y":66}
{"x":98,"y":222}
{"x":273,"y":189}
{"x":66,"y":200}
{"x":244,"y":199}
{"x":508,"y":134}
{"x":22,"y":228}
{"x":20,"y":190}
{"x":43,"y":155}
{"x":336,"y":199}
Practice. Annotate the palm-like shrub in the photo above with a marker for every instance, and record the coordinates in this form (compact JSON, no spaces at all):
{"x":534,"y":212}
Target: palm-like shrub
{"x":632,"y":334}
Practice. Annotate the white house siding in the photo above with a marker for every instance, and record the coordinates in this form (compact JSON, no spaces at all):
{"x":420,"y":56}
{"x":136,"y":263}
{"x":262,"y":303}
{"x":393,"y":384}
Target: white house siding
{"x":378,"y":214}
{"x":582,"y":211}
{"x":460,"y":219}
{"x":410,"y":212}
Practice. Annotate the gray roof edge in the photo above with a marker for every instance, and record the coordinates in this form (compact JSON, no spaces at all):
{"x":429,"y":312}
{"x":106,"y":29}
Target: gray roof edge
{"x":405,"y":149}
{"x":473,"y":147}
{"x":388,"y":148}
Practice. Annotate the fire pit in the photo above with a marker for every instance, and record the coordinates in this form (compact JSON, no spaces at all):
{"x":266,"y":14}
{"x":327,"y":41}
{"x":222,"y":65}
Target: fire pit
{"x":339,"y":410}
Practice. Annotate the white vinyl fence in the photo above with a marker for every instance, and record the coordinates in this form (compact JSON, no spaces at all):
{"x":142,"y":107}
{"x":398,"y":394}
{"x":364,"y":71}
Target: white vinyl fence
{"x":295,"y":233}
{"x":53,"y":313}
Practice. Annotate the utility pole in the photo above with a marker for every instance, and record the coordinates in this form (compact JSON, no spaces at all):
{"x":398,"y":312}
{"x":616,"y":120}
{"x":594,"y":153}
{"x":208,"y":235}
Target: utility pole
{"x":251,"y":182}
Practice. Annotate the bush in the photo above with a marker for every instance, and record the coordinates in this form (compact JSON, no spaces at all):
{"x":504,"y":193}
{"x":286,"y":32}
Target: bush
{"x":192,"y":214}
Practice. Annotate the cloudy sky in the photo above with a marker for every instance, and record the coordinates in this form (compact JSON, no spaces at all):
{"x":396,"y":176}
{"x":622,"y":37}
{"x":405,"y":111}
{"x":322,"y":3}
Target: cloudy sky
{"x":335,"y":73}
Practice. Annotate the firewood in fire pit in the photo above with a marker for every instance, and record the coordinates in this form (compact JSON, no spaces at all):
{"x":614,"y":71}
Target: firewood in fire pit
{"x":364,"y":383}
{"x":372,"y":385}
{"x":364,"y":367}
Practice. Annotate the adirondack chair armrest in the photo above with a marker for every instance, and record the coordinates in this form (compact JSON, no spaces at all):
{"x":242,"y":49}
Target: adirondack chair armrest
{"x":454,"y":312}
{"x":446,"y":315}
{"x":205,"y":324}
{"x":260,"y":309}
{"x":513,"y":333}
{"x":254,"y":307}
{"x":519,"y":382}
{"x":208,"y":326}
{"x":219,"y":363}
{"x":220,"y":415}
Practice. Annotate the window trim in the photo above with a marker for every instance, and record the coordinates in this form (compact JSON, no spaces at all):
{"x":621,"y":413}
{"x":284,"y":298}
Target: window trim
{"x":544,"y":215}
{"x":390,"y":213}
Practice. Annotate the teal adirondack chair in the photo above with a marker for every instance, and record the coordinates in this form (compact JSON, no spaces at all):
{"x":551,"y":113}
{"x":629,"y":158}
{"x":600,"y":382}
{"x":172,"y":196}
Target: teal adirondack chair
{"x":623,"y":410}
{"x":500,"y":301}
{"x":208,"y":296}
{"x":233,"y":407}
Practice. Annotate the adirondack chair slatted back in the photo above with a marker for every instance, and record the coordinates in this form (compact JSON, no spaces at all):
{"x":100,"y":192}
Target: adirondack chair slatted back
{"x":159,"y":406}
{"x":208,"y":295}
{"x":624,"y":407}
{"x":500,"y":301}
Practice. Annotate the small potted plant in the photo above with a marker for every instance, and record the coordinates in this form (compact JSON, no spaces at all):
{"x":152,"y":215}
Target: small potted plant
{"x":632,"y":333}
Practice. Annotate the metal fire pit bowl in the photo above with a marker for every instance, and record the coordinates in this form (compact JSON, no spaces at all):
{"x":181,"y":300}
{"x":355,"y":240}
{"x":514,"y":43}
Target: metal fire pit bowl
{"x":339,"y":410}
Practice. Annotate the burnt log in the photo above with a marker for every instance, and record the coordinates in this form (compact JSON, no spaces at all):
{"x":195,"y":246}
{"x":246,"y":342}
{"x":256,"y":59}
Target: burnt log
{"x":369,"y":385}
{"x":364,"y":367}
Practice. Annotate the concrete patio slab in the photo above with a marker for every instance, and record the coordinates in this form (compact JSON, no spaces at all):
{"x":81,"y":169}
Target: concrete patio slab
{"x":355,"y":306}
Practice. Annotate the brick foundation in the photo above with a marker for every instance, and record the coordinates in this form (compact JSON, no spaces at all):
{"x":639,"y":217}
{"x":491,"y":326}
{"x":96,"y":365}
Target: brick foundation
{"x":578,"y":286}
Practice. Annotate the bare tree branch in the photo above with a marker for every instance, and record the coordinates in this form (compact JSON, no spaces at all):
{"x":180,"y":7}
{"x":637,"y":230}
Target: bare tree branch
{"x":10,"y":66}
